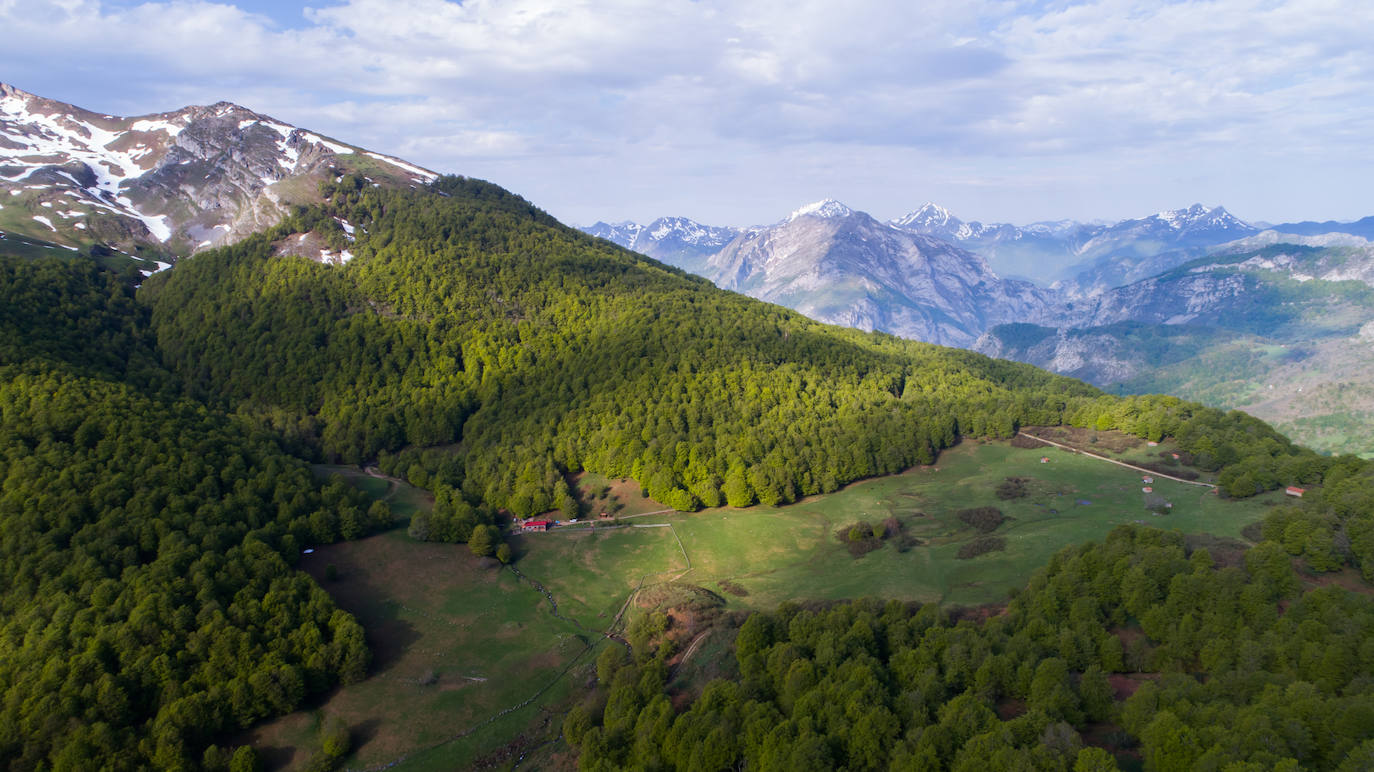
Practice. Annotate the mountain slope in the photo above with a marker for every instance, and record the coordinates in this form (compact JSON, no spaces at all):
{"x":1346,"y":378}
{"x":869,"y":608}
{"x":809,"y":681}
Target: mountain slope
{"x":167,"y":184}
{"x":1281,"y":331}
{"x":677,"y":241}
{"x":1363,"y":227}
{"x":1132,"y":250}
{"x":476,"y":339}
{"x":843,"y":267}
{"x":1038,"y":251}
{"x":148,"y":600}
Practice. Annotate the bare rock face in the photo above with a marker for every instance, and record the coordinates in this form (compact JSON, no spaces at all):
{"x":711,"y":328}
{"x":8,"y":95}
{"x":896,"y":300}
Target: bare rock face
{"x":841,"y":266}
{"x":844,"y":267}
{"x":163,"y":185}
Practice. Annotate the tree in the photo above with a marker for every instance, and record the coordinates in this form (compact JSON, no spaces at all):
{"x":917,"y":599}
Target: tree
{"x":1094,"y":760}
{"x":245,"y":759}
{"x":484,"y":540}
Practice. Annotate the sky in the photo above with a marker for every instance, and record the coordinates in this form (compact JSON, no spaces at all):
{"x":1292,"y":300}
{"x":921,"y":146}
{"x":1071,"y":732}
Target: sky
{"x":735,"y":113}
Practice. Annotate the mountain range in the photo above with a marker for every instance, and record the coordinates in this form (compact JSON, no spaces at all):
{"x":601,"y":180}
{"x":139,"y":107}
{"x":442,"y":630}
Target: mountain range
{"x":1168,"y":302}
{"x":164,"y":185}
{"x":151,"y":189}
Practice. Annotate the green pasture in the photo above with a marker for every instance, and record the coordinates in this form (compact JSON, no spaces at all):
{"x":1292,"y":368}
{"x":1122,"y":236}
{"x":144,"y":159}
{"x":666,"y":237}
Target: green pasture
{"x":456,"y":643}
{"x":791,"y":552}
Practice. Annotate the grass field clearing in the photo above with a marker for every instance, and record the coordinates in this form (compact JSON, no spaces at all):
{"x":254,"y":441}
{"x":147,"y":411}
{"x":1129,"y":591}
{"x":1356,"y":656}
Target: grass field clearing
{"x":438,"y":621}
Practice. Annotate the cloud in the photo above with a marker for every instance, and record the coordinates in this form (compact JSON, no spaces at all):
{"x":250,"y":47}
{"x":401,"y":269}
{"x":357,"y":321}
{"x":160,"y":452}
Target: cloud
{"x":952,"y":87}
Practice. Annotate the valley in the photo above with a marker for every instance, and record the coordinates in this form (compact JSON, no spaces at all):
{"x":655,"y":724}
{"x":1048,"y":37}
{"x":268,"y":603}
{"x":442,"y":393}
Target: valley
{"x":456,"y":643}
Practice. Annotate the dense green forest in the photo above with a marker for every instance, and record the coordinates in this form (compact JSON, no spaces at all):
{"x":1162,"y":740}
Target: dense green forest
{"x":146,"y":545}
{"x":474,"y":343}
{"x":1243,"y":673}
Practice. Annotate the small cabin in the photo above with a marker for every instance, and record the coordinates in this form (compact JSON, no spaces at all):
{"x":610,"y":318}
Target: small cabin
{"x":535,"y":525}
{"x":1293,"y":490}
{"x":1147,"y":480}
{"x":1152,"y":444}
{"x":1044,"y":459}
{"x":1147,"y":489}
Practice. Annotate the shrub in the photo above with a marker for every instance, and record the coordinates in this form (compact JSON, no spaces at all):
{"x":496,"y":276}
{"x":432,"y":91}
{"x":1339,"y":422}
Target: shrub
{"x":1012,"y":488}
{"x":981,"y":545}
{"x":859,"y":538}
{"x":982,"y":519}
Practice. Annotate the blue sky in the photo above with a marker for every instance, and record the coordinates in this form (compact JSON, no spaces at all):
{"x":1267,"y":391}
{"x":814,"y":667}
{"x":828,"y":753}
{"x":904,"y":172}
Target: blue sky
{"x":736,"y":113}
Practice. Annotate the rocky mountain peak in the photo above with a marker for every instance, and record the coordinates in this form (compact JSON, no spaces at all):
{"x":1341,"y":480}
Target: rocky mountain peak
{"x":826,"y":208}
{"x":164,"y":184}
{"x":930,"y":217}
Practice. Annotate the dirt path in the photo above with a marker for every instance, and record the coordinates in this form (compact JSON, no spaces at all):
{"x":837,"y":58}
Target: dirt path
{"x":692,"y":647}
{"x":393,"y":484}
{"x":1141,"y":469}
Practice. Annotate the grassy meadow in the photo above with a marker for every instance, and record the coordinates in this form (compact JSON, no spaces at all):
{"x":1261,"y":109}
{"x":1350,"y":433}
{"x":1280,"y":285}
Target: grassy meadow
{"x":457,"y":642}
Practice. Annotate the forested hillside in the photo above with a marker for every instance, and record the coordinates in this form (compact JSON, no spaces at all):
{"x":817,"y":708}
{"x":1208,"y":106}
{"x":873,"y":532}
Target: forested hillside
{"x":146,"y":546}
{"x":474,"y":343}
{"x":1139,"y":644}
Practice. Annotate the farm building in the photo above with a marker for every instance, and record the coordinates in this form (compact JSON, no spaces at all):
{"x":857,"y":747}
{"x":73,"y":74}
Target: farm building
{"x":1293,"y":490}
{"x":1147,"y":480}
{"x":535,"y":525}
{"x":1147,"y":489}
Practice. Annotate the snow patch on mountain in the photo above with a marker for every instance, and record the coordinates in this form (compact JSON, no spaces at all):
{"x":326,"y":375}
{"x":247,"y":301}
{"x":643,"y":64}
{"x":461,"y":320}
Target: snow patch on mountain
{"x":198,"y":176}
{"x":425,"y":174}
{"x":825,"y":208}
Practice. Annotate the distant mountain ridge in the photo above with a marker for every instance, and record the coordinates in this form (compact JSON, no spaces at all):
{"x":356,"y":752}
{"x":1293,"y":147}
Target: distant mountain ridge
{"x":166,"y":184}
{"x":842,"y":266}
{"x":928,"y":274}
{"x":1279,"y":329}
{"x":678,"y":241}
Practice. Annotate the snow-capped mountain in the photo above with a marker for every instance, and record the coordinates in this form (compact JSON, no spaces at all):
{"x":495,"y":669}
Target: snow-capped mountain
{"x":1095,"y":256}
{"x":166,"y":184}
{"x":677,"y":241}
{"x":1132,"y":250}
{"x":825,"y":209}
{"x":839,"y":265}
{"x":1037,"y":251}
{"x":935,"y":220}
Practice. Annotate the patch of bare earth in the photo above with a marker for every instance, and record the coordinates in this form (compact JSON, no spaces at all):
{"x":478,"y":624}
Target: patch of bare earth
{"x":1347,"y":579}
{"x":1009,"y":709}
{"x":1112,"y":739}
{"x":1090,"y":440}
{"x":624,"y":497}
{"x":977,"y":613}
{"x":1126,"y":684}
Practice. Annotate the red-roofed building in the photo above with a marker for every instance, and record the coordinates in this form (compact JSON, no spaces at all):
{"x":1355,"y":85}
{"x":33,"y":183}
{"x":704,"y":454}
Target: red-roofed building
{"x":535,"y":525}
{"x":1294,"y":490}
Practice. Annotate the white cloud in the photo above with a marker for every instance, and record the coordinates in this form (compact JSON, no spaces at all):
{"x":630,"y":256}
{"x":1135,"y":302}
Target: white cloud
{"x":764,"y":99}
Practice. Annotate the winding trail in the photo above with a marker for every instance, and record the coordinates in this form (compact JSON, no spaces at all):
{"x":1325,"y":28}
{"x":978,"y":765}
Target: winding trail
{"x":392,"y":484}
{"x":1114,"y":461}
